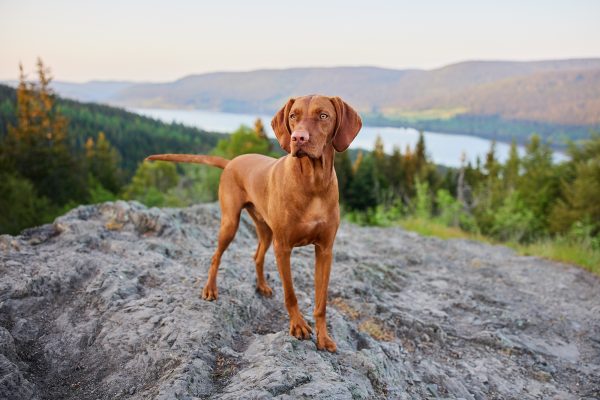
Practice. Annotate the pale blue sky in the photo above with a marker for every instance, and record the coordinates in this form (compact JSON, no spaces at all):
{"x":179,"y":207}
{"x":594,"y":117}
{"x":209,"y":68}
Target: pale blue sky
{"x":165,"y":40}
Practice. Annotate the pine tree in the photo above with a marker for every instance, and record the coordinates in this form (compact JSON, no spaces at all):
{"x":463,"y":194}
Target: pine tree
{"x":394,"y":172}
{"x":343,"y":170}
{"x":362,"y":193}
{"x":489,"y":194}
{"x":380,"y":167}
{"x":409,"y":171}
{"x":357,"y":162}
{"x":539,"y":183}
{"x":37,"y":148}
{"x":103,"y":163}
{"x":259,"y":129}
{"x":511,"y":168}
{"x":420,"y":154}
{"x":580,"y":194}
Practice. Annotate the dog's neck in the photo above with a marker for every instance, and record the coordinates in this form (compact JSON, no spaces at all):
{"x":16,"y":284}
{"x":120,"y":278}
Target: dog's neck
{"x":315,"y":173}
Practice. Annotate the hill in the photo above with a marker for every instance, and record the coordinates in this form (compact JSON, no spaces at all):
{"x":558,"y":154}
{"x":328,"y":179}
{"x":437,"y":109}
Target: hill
{"x":499,"y":100}
{"x":134,"y":136}
{"x":102,"y":305}
{"x":538,"y":91}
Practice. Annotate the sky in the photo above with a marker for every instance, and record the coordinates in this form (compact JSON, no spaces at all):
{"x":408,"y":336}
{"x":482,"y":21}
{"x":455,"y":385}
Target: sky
{"x":158,"y":41}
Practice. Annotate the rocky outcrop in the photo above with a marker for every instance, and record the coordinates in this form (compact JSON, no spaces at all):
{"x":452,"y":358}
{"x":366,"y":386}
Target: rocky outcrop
{"x":102,"y":304}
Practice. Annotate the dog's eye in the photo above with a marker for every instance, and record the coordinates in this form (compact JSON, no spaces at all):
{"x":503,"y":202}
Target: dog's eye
{"x":292,"y":116}
{"x":323,"y":116}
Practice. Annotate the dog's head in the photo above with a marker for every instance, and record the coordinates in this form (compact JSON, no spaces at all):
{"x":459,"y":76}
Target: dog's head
{"x":306,"y":125}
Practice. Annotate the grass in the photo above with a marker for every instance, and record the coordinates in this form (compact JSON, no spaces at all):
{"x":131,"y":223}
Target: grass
{"x":428,"y":227}
{"x":556,"y":249}
{"x":563,"y":251}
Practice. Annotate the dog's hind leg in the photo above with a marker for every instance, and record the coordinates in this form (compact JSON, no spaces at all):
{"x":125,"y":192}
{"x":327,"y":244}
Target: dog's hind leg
{"x":231,"y":208}
{"x":265,"y":236}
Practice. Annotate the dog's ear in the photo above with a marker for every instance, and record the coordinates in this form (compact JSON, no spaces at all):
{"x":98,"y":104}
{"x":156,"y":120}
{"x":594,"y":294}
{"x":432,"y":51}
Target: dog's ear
{"x":281,"y":126}
{"x":347,"y":125}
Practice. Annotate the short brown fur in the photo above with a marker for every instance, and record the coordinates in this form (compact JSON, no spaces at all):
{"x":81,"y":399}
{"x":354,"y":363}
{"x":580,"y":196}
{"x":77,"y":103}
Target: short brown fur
{"x":293,"y":200}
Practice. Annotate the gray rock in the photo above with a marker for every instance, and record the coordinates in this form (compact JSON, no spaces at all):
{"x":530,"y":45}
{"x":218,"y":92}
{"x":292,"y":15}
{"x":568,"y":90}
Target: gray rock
{"x":102,"y":304}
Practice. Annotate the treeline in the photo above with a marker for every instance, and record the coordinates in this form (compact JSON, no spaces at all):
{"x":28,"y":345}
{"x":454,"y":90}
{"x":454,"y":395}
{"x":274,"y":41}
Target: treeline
{"x":523,"y":200}
{"x":56,"y":154}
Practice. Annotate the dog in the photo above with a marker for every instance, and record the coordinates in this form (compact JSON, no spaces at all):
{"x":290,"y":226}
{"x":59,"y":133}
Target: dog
{"x":293,"y":200}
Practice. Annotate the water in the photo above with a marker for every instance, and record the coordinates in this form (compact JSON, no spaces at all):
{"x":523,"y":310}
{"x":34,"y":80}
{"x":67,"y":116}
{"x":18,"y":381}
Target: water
{"x":442,"y":148}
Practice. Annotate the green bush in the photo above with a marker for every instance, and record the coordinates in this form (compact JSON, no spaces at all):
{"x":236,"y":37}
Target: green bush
{"x":513,"y":221}
{"x":20,"y":204}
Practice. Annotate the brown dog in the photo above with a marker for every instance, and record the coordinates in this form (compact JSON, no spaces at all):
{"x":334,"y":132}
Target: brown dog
{"x":293,"y":200}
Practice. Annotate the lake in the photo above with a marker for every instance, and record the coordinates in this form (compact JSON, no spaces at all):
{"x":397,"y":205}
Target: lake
{"x":442,"y":148}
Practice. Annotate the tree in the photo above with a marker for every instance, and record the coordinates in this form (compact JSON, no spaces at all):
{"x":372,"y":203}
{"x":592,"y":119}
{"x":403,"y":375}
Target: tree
{"x":539,"y":184}
{"x":343,"y":170}
{"x":489,"y":193}
{"x":103,"y":163}
{"x":580,"y":195}
{"x":37,"y":148}
{"x":512,"y":167}
{"x":362,"y":194}
{"x":420,"y":153}
{"x":380,"y":169}
{"x":394,"y":172}
{"x":259,"y":129}
{"x":20,"y":204}
{"x":243,"y":141}
{"x":151,"y":184}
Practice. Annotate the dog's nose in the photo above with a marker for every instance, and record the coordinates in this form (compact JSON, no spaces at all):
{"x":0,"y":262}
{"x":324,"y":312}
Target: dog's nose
{"x":300,"y":136}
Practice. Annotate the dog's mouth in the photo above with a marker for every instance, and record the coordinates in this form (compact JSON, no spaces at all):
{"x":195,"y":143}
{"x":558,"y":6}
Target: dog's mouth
{"x":300,"y":153}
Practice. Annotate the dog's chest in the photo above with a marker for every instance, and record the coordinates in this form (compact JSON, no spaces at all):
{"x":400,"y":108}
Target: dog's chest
{"x":313,"y":216}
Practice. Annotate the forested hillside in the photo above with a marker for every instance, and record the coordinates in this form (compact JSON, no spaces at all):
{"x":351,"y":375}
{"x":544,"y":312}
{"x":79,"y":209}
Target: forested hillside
{"x":132,"y":135}
{"x":56,"y":154}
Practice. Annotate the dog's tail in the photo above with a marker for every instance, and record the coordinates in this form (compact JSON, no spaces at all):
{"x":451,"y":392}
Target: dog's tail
{"x":191,"y":158}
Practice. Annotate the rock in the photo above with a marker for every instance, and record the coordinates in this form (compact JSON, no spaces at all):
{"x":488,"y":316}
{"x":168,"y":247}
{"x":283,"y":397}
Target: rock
{"x":102,"y":304}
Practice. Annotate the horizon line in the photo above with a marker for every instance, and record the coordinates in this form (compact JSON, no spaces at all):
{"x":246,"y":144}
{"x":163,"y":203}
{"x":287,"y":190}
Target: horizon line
{"x":356,"y":66}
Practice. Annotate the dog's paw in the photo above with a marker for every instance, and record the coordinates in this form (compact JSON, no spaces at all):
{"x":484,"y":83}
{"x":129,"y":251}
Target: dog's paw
{"x":300,"y":329}
{"x":210,"y":293}
{"x":265,"y":290}
{"x":324,"y":342}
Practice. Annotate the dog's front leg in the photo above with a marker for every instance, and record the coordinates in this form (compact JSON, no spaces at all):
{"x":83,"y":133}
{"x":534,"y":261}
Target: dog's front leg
{"x":322,"y":270}
{"x":298,"y":326}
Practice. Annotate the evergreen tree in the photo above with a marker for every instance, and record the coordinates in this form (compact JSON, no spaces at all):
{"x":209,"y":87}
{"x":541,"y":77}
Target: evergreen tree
{"x":343,"y":170}
{"x":420,"y":154}
{"x":20,"y":204}
{"x":394,"y":172}
{"x":539,"y":184}
{"x":409,"y":172}
{"x":357,"y":162}
{"x":37,"y":148}
{"x":511,"y":168}
{"x":103,"y":163}
{"x":362,"y":194}
{"x":580,"y":198}
{"x":380,"y":167}
{"x":259,"y":129}
{"x":489,"y":194}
